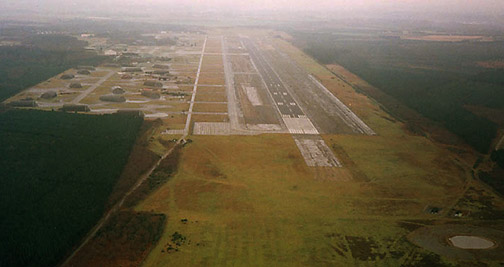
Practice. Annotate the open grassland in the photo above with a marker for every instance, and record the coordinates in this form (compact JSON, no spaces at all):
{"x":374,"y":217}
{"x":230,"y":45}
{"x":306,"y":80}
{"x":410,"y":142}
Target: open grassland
{"x":212,"y":79}
{"x":175,"y":119}
{"x":58,"y":172}
{"x":211,"y":97}
{"x":213,"y":60}
{"x":252,"y":200}
{"x":241,"y":64}
{"x":210,"y":107}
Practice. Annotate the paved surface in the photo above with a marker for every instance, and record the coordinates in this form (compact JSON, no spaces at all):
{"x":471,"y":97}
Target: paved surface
{"x":92,"y":88}
{"x":344,"y":112}
{"x":293,"y":117}
{"x":300,"y":125}
{"x":315,"y":152}
{"x":325,"y":110}
{"x":234,"y":112}
{"x":253,"y":96}
{"x":174,"y":131}
{"x":195,"y":89}
{"x":283,"y":100}
{"x":212,"y":128}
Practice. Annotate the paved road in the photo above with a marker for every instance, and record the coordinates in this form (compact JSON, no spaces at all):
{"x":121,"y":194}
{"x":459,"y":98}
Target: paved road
{"x":195,"y":89}
{"x":234,"y":114}
{"x":92,"y":88}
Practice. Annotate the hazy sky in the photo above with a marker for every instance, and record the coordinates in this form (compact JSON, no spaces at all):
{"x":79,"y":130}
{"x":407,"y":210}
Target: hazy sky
{"x":494,"y":7}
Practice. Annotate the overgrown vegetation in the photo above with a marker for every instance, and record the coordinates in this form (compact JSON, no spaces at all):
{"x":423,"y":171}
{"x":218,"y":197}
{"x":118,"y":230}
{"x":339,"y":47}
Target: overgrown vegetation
{"x":128,"y":236}
{"x":125,"y":240}
{"x":166,"y":169}
{"x":437,"y":79}
{"x":498,"y":157}
{"x":39,"y":58}
{"x":58,"y":170}
{"x":495,"y":177}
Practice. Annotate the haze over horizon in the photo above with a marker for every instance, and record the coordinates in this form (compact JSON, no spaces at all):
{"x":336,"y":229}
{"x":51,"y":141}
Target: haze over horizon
{"x":357,"y":7}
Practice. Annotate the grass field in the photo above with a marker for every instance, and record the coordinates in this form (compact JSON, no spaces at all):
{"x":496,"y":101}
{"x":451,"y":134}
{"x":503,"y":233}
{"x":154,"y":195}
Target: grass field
{"x":253,"y":201}
{"x":250,"y":200}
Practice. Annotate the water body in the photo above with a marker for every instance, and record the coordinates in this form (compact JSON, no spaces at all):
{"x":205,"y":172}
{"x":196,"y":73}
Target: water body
{"x":471,"y":242}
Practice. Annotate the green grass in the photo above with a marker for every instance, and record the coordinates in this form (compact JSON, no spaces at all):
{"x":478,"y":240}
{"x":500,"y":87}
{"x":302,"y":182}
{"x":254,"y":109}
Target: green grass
{"x":58,"y":170}
{"x":251,"y":200}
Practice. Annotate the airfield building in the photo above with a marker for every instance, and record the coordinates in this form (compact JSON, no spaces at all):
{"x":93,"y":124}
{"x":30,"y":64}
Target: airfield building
{"x":84,"y":72}
{"x":117,"y":90}
{"x":132,"y":69}
{"x":151,"y":83}
{"x":75,"y":85}
{"x":24,"y":103}
{"x":67,"y":76}
{"x":75,"y":108}
{"x":151,"y":94}
{"x":49,"y":95}
{"x":113,"y":98}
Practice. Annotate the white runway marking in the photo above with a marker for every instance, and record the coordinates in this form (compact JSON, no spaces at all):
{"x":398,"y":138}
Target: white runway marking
{"x":300,"y":126}
{"x":157,"y":115}
{"x":212,"y":128}
{"x":174,"y":131}
{"x":253,"y":96}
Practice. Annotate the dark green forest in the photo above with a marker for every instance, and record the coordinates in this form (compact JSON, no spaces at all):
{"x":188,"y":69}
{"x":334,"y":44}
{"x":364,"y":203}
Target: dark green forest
{"x":39,"y":58}
{"x":58,"y":170}
{"x":437,"y":79}
{"x":495,"y":177}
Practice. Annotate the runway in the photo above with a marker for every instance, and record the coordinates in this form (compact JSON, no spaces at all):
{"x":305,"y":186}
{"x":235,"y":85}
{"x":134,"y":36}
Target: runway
{"x":292,"y":115}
